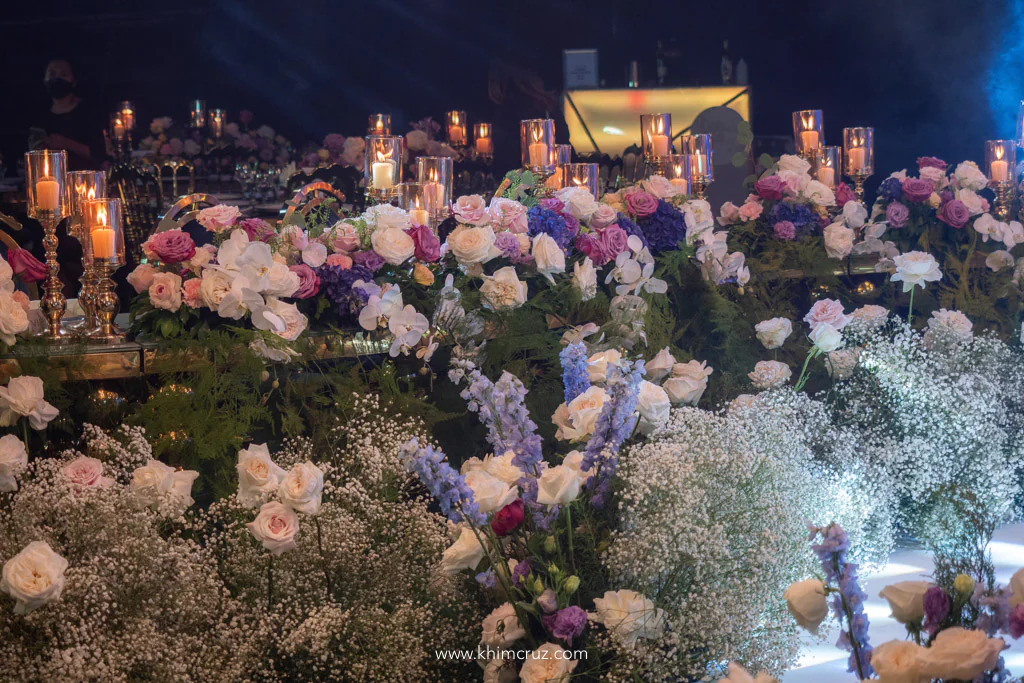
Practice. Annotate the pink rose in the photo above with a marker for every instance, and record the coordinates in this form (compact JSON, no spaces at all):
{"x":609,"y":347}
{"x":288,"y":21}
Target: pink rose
{"x":728,"y":214}
{"x":343,"y":261}
{"x":592,"y":246}
{"x":917,"y":190}
{"x":86,"y":473}
{"x":219,"y":218}
{"x":296,"y":237}
{"x":827,"y":311}
{"x":604,"y":216}
{"x":844,"y":193}
{"x":428,"y":247}
{"x":172,"y":246}
{"x":309,"y":281}
{"x":24,"y":264}
{"x":346,"y":238}
{"x":553,"y":203}
{"x":257,"y":229}
{"x":142,"y":277}
{"x":954,"y":213}
{"x":22,"y":299}
{"x":641,"y":204}
{"x":750,"y":211}
{"x":471,"y":209}
{"x":193,"y":299}
{"x":613,"y":240}
{"x":165,"y":292}
{"x":770,"y":187}
{"x":508,"y":214}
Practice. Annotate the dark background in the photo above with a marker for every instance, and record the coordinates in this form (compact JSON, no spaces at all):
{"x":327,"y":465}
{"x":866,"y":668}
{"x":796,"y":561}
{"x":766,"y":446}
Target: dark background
{"x":934,"y":77}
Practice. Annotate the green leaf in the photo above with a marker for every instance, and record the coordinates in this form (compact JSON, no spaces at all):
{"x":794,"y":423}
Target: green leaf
{"x":739,"y":159}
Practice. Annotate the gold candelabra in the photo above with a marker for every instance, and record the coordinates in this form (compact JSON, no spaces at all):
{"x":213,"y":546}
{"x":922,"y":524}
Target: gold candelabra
{"x":107,"y":303}
{"x":700,"y":185}
{"x":53,"y":302}
{"x":858,"y":184}
{"x":46,"y":186}
{"x":1004,"y":199}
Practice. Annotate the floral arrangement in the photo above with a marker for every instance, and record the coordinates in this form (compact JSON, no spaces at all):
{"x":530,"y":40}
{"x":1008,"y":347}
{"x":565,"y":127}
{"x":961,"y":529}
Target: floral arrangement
{"x":17,"y":317}
{"x":335,"y":150}
{"x":242,"y":142}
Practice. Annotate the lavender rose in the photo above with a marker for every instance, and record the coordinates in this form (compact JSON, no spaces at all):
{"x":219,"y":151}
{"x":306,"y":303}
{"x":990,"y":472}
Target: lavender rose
{"x":309,"y":281}
{"x":641,"y":204}
{"x":172,"y":246}
{"x":428,"y":247}
{"x":917,"y":190}
{"x":896,"y":215}
{"x":614,"y":239}
{"x":954,"y":213}
{"x":770,"y":187}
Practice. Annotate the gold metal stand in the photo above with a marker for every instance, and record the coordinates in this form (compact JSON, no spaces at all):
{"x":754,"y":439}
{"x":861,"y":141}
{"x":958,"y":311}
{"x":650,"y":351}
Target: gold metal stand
{"x":858,"y":184}
{"x":107,"y":303}
{"x":1004,"y":200}
{"x":700,"y":187}
{"x":53,"y":303}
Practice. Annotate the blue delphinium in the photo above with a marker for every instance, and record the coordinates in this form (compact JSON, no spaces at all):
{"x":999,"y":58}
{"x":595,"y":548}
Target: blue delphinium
{"x":614,"y":425}
{"x":444,"y":483}
{"x":848,"y":602}
{"x":891,"y":189}
{"x":631,"y":228}
{"x":337,"y":283}
{"x":665,"y":228}
{"x":541,"y":220}
{"x":575,"y":377}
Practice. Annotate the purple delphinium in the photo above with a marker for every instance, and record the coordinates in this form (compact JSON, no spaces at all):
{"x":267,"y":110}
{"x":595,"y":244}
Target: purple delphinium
{"x":443,"y":481}
{"x":541,"y":220}
{"x":891,"y":189}
{"x":936,"y":608}
{"x":848,"y":602}
{"x":337,"y":282}
{"x":614,"y":425}
{"x":575,"y":377}
{"x":665,"y":228}
{"x":632,"y":229}
{"x":567,"y":623}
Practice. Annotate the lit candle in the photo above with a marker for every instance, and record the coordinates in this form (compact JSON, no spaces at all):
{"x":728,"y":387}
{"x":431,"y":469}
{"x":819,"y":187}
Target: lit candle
{"x":809,"y":139}
{"x":827,"y":175}
{"x":856,"y":156}
{"x":118,"y":129}
{"x":698,"y":165}
{"x":484,"y":146}
{"x":681,"y":184}
{"x":659,"y":145}
{"x":419,"y":216}
{"x":102,"y":238}
{"x":217,"y":127}
{"x":540,"y":155}
{"x":1000,"y":170}
{"x":456,"y":134}
{"x":382,"y":171}
{"x":129,"y":118}
{"x":380,"y":126}
{"x":47,"y":190}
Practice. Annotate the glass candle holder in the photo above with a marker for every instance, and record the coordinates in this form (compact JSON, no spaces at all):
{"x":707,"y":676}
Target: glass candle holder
{"x":808,"y":132}
{"x":127,"y":110}
{"x":560,"y":156}
{"x":581,"y":175}
{"x":118,"y":131}
{"x":437,"y":173}
{"x":677,"y":170}
{"x":379,"y":124}
{"x":218,"y":119}
{"x":84,"y":186}
{"x":859,"y":151}
{"x":103,"y":221}
{"x":1000,"y":161}
{"x":197,"y":113}
{"x":383,"y":164}
{"x":827,"y":165}
{"x":536,"y":140}
{"x":655,"y":135}
{"x":46,"y":183}
{"x":420,"y":200}
{"x":483,"y":139}
{"x":701,"y":153}
{"x":456,"y":127}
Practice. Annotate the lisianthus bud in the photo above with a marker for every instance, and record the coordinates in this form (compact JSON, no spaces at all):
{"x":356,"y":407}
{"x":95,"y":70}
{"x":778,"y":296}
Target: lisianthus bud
{"x":963,"y":584}
{"x":549,"y":544}
{"x":571,"y":584}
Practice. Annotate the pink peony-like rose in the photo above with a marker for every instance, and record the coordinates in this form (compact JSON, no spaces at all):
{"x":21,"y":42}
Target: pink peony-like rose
{"x":142,"y":277}
{"x":428,"y":247}
{"x":165,"y":292}
{"x":917,"y":190}
{"x":954,"y":213}
{"x":728,"y":214}
{"x":257,"y":229}
{"x":509,"y":215}
{"x":641,"y":204}
{"x":553,"y":203}
{"x":220,"y":218}
{"x":309,"y":281}
{"x":343,"y":261}
{"x":24,"y":264}
{"x":508,"y":518}
{"x":604,"y":216}
{"x":750,"y":211}
{"x":172,"y":246}
{"x":86,"y":473}
{"x":471,"y":209}
{"x":932,"y":162}
{"x":191,"y":295}
{"x":827,"y":311}
{"x":614,"y":240}
{"x":346,"y":238}
{"x":592,"y":246}
{"x":22,"y":300}
{"x":844,"y":193}
{"x":770,"y":187}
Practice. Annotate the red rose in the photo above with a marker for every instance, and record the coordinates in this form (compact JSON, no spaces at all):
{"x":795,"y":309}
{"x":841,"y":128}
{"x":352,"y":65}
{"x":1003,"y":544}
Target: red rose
{"x":508,"y":518}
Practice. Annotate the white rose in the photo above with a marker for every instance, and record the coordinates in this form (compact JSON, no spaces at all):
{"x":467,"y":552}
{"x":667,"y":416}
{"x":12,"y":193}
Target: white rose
{"x":737,"y":674}
{"x":472,"y":245}
{"x":842,"y":362}
{"x":548,"y":257}
{"x":282,"y":280}
{"x":558,"y":486}
{"x":896,"y":661}
{"x":661,"y":187}
{"x":302,"y":488}
{"x":86,"y":473}
{"x":501,"y":467}
{"x":294,"y":321}
{"x":503,"y":290}
{"x":24,"y":396}
{"x":465,"y":553}
{"x":629,"y":616}
{"x":257,"y":474}
{"x":142,"y":277}
{"x":936,"y":176}
{"x":826,"y":338}
{"x":687,"y":382}
{"x":959,"y":654}
{"x":807,"y":603}
{"x":489,"y":492}
{"x":34,"y":577}
{"x":156,"y":485}
{"x":576,"y":420}
{"x":791,"y":162}
{"x":742,"y":403}
{"x":275,"y":527}
{"x":214,"y":287}
{"x":906,"y":600}
{"x":314,"y":255}
{"x":768,"y":374}
{"x":654,"y":405}
{"x":968,"y":175}
{"x":659,"y":366}
{"x":972,"y":200}
{"x":13,"y":318}
{"x":584,"y":278}
{"x":952,"y":324}
{"x":774,"y":332}
{"x":393,"y":245}
{"x":838,"y":240}
{"x":13,"y":461}
{"x":501,"y":627}
{"x":385,"y":216}
{"x":916,"y":268}
{"x":819,"y":193}
{"x":574,"y":461}
{"x":579,"y":202}
{"x":597,"y":365}
{"x":549,"y":663}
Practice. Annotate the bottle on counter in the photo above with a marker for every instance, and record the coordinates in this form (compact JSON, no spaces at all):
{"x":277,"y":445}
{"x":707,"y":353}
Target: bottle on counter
{"x":726,"y":64}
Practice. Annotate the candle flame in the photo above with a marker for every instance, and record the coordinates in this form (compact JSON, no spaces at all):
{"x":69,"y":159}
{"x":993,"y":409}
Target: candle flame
{"x":537,"y":134}
{"x":433,"y":175}
{"x":91,"y":194}
{"x":46,"y":166}
{"x":579,"y":181}
{"x":383,"y":156}
{"x":101,"y":215}
{"x":660,"y":126}
{"x":455,"y":118}
{"x":807,"y":120}
{"x":679,"y":170}
{"x":999,"y":152}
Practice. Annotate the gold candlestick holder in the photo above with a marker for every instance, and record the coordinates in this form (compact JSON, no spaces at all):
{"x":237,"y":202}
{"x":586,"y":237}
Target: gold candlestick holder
{"x":53,"y":302}
{"x":107,"y":303}
{"x":1004,"y":200}
{"x":700,"y":185}
{"x":103,"y":251}
{"x":858,"y":184}
{"x":46,"y":187}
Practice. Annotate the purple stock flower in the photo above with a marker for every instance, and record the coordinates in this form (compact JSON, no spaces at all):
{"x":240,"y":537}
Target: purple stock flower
{"x":897,"y":214}
{"x":444,"y":483}
{"x":567,"y":623}
{"x":785,"y":230}
{"x":936,"y":608}
{"x":509,"y":246}
{"x":575,"y":377}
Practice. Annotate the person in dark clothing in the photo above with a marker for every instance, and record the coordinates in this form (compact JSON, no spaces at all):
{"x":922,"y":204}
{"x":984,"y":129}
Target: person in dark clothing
{"x":69,"y":123}
{"x":516,"y":93}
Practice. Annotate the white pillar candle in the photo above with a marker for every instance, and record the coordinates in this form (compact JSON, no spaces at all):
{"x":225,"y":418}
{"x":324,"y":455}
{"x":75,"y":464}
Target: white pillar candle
{"x":826,"y":175}
{"x":47,"y":194}
{"x":456,"y":134}
{"x":659,"y":145}
{"x":382,"y":171}
{"x":809,"y":139}
{"x":856,"y":156}
{"x":1000,"y":171}
{"x":539,"y":155}
{"x":681,"y":184}
{"x":419,"y":217}
{"x":103,"y":243}
{"x":484,"y":146}
{"x":698,"y":165}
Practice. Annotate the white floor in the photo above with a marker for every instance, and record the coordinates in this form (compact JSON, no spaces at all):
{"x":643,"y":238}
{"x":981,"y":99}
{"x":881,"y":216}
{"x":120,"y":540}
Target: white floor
{"x":822,"y":662}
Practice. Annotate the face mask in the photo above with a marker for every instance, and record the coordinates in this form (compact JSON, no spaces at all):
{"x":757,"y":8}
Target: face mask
{"x":58,"y":88}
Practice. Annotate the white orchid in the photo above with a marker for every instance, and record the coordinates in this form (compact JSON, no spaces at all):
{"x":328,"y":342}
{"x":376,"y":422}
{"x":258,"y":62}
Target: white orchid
{"x":380,"y":308}
{"x":408,"y":327}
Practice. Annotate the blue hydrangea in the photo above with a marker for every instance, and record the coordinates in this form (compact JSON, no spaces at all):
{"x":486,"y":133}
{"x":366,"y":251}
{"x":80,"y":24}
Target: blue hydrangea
{"x":541,"y":220}
{"x":800,"y":215}
{"x":337,"y":282}
{"x":632,"y":228}
{"x":665,"y":228}
{"x":891,"y":189}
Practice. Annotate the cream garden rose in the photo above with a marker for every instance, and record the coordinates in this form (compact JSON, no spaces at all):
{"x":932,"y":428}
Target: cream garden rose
{"x":959,"y":654}
{"x":34,"y":577}
{"x":302,"y":487}
{"x":13,"y":461}
{"x":915,"y":268}
{"x":501,"y":627}
{"x":660,"y":366}
{"x":275,"y":527}
{"x":629,"y":616}
{"x":490,"y":493}
{"x":465,"y":553}
{"x":807,"y":603}
{"x":258,"y":476}
{"x":897,"y":661}
{"x":597,"y":365}
{"x":768,"y":374}
{"x":558,"y":485}
{"x":906,"y":600}
{"x":472,"y":245}
{"x":579,"y":202}
{"x":549,"y":663}
{"x":654,"y":406}
{"x":165,"y":291}
{"x":576,"y":420}
{"x":838,"y":240}
{"x":23,"y":397}
{"x":13,"y":318}
{"x":503,"y":290}
{"x":393,"y":245}
{"x":159,"y":486}
{"x":774,"y":332}
{"x":687,"y":382}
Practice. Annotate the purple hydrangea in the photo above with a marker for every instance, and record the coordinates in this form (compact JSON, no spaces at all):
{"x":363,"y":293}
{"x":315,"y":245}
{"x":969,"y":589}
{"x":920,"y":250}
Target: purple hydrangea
{"x":632,"y":229}
{"x":803,"y":219}
{"x":665,"y":228}
{"x":337,"y":283}
{"x":547,"y":221}
{"x":567,"y":623}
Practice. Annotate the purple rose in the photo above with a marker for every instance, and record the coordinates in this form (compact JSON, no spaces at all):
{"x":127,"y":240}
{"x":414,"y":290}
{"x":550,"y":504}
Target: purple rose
{"x":844,"y":193}
{"x":172,"y":246}
{"x":936,"y":608}
{"x":257,"y":229}
{"x":614,"y":239}
{"x":567,"y":623}
{"x":572,"y":224}
{"x":641,"y":204}
{"x":370,"y":260}
{"x":428,"y":247}
{"x":785,"y":230}
{"x":931,"y":162}
{"x":1016,"y":624}
{"x":553,"y":203}
{"x":309,"y":281}
{"x":594,"y":247}
{"x":917,"y":190}
{"x":770,"y":187}
{"x":954,"y":213}
{"x":896,"y":215}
